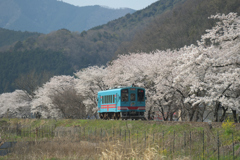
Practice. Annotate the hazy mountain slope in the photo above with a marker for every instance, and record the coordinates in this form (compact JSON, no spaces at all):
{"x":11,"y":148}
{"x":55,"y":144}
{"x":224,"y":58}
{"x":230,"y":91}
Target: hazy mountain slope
{"x":131,"y":23}
{"x":98,"y":45}
{"x":45,"y":16}
{"x":183,"y":25}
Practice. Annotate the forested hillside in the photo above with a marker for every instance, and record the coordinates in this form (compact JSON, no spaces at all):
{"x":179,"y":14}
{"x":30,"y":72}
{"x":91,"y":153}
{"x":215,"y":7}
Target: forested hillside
{"x":45,"y":16}
{"x":164,"y":24}
{"x":15,"y":63}
{"x":8,"y":37}
{"x":183,"y":25}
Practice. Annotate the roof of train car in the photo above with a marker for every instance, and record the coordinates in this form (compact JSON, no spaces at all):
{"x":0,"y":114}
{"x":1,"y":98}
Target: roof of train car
{"x":118,"y":89}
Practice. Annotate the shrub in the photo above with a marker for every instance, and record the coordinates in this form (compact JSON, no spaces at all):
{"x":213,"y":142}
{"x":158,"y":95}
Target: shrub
{"x":228,"y":127}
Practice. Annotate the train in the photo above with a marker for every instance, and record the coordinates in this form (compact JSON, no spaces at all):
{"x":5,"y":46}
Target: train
{"x":122,"y":103}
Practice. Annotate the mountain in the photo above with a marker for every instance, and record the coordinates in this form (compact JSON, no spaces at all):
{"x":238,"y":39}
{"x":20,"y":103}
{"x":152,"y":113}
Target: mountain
{"x":164,"y":24}
{"x":45,"y":16}
{"x":79,"y":50}
{"x":98,"y":45}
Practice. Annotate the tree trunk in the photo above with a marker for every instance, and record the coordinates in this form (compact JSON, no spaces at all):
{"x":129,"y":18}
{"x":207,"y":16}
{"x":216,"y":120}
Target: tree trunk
{"x":224,"y":114}
{"x":191,"y":114}
{"x":196,"y":115}
{"x":216,"y":111}
{"x":150,"y":114}
{"x":171,"y":116}
{"x":235,"y":116}
{"x":163,"y":115}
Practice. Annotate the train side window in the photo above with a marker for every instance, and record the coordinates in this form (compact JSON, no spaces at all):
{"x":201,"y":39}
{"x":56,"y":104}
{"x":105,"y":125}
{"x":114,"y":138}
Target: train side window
{"x":113,"y":98}
{"x":124,"y":95}
{"x":140,"y":95}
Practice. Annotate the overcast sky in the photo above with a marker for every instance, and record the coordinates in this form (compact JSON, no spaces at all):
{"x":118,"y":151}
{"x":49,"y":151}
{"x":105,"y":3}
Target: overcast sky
{"x":133,"y":4}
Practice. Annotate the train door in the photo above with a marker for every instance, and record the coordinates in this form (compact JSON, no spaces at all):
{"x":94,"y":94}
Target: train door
{"x":99,"y":100}
{"x":124,"y":98}
{"x":133,"y":100}
{"x":115,"y":101}
{"x":141,"y":97}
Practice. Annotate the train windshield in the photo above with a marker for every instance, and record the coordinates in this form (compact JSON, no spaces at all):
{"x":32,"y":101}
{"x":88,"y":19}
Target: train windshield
{"x":124,"y":95}
{"x":132,"y":97}
{"x":140,"y":95}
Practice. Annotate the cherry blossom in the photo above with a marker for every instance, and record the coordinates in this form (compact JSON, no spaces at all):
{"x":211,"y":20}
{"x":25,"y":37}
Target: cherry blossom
{"x":89,"y":82}
{"x":14,"y":104}
{"x":43,"y":103}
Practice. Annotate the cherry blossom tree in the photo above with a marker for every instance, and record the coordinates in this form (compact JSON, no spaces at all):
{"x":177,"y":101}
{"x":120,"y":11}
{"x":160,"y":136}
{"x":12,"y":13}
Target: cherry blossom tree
{"x":145,"y":70}
{"x":134,"y":69}
{"x":190,"y":77}
{"x":69,"y":102}
{"x":89,"y":82}
{"x":211,"y":69}
{"x":14,"y":105}
{"x":225,"y":69}
{"x":31,"y":81}
{"x":43,"y":101}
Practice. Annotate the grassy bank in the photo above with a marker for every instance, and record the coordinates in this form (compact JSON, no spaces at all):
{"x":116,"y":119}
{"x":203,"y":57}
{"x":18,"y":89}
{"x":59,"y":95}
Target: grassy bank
{"x":111,"y":124}
{"x":101,"y":139}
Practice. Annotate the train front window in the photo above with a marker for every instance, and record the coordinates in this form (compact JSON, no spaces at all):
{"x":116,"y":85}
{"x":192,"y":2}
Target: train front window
{"x":124,"y":95}
{"x":132,"y":97}
{"x":140,"y":95}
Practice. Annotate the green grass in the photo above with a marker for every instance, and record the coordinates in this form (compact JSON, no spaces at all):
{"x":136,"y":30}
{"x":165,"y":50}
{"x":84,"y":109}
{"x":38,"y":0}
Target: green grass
{"x":169,"y":138}
{"x":150,"y":127}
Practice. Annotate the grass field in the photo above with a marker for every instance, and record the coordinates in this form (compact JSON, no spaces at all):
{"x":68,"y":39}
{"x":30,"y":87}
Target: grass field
{"x":100,"y":139}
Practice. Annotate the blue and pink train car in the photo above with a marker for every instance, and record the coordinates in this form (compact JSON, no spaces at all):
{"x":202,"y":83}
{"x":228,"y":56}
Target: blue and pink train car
{"x":122,"y":103}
